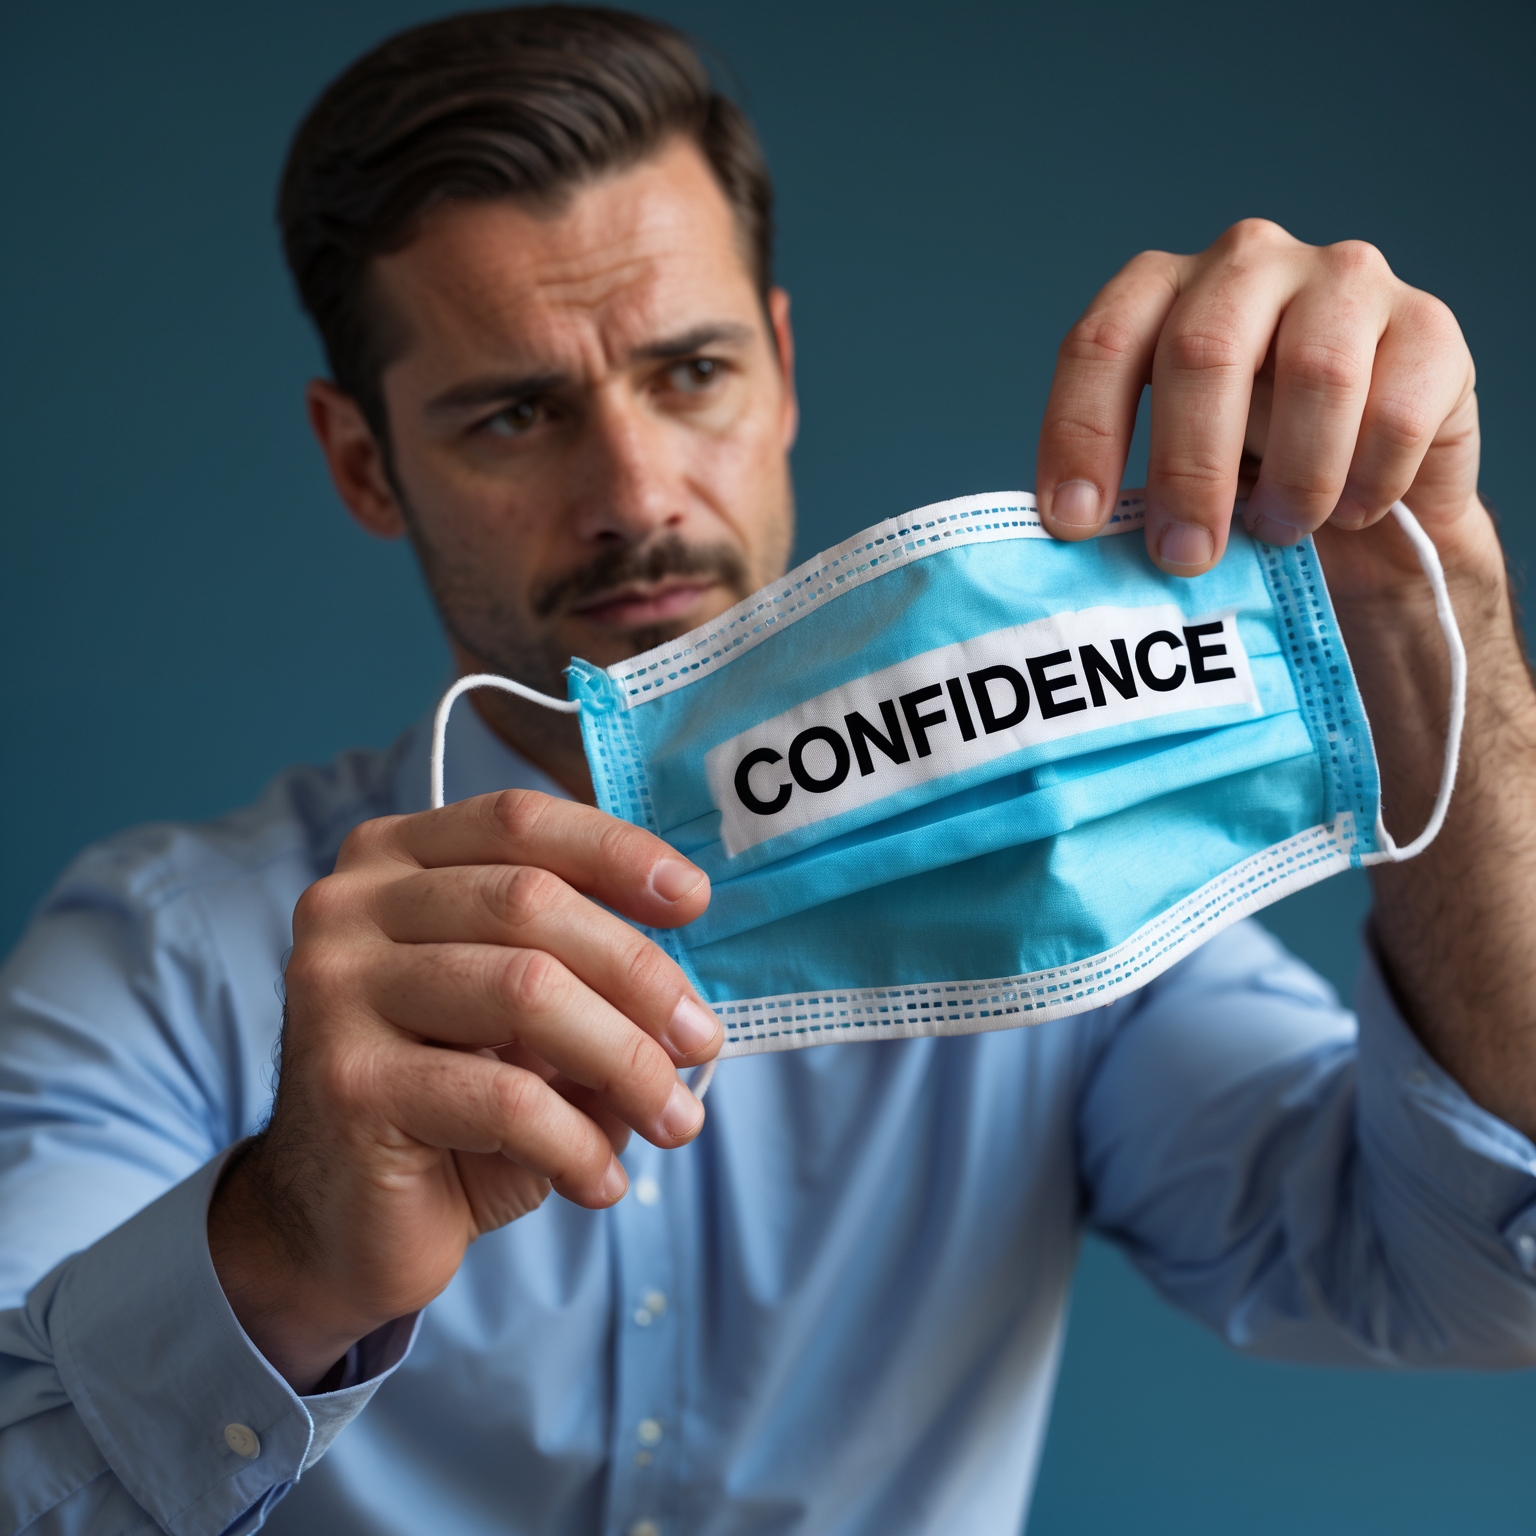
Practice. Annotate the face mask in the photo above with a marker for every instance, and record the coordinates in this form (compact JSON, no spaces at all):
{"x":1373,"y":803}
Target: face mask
{"x":954,"y":775}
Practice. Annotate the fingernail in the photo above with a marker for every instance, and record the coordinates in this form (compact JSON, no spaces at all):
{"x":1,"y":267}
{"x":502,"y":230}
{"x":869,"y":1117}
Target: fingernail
{"x":1185,"y":544}
{"x":691,"y":1027}
{"x":1076,"y":504}
{"x":672,"y":879}
{"x":1269,"y":531}
{"x":683,"y":1113}
{"x":615,"y":1182}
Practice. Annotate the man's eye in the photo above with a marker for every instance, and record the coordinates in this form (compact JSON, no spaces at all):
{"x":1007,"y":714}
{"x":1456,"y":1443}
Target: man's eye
{"x":513,"y":421}
{"x":696,"y":374}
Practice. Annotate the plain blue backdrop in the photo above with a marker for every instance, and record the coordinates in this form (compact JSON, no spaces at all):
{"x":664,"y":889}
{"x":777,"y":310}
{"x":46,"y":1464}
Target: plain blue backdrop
{"x":185,"y":609}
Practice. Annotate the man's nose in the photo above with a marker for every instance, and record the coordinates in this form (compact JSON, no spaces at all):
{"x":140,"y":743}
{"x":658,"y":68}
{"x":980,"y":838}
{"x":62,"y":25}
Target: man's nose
{"x":630,"y":485}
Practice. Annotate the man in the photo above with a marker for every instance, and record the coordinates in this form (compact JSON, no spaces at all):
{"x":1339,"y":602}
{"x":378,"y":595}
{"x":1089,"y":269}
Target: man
{"x":537,"y":247}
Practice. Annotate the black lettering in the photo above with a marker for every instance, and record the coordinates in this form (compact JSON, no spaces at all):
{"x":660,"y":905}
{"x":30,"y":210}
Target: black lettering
{"x":990,"y":720}
{"x":1046,"y":688}
{"x":962,"y":709}
{"x":861,"y":733}
{"x":1198,"y":653}
{"x":1096,"y":669}
{"x":1144,"y":661}
{"x":744,"y":783}
{"x":919,"y":724}
{"x":839,"y":759}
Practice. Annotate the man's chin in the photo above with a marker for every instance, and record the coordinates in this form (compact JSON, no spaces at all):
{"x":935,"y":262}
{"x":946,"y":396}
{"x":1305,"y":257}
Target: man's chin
{"x":605,"y":644}
{"x":605,"y":647}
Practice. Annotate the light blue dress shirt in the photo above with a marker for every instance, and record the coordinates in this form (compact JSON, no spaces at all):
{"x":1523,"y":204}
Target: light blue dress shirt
{"x":838,"y":1311}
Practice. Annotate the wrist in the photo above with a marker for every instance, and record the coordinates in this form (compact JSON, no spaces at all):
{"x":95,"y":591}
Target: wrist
{"x":1399,"y":653}
{"x":1386,"y":605}
{"x":1375,"y":573}
{"x":262,"y":1253}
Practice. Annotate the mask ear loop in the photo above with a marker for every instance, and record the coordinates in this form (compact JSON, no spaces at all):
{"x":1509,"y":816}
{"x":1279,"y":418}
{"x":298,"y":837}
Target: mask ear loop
{"x":702,"y":1076}
{"x":1429,"y":558}
{"x":463,"y":686}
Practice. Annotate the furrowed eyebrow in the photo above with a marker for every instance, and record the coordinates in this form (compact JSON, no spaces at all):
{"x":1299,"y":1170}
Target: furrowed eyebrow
{"x":731,"y":332}
{"x":474,"y":393}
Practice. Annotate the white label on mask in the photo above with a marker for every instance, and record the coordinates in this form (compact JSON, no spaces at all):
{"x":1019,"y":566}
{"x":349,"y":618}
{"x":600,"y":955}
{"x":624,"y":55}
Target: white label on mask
{"x":962,"y":705}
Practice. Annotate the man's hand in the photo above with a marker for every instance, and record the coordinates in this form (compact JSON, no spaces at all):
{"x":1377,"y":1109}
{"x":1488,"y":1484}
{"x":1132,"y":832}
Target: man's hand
{"x":1308,"y":378}
{"x":1314,"y":382}
{"x":466,"y":1029}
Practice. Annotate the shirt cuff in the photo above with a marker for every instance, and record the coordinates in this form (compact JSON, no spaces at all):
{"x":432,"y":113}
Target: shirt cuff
{"x":188,"y":1413}
{"x":1479,"y":1167}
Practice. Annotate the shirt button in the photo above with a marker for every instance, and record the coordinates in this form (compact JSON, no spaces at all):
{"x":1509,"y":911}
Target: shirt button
{"x":649,"y":1431}
{"x":647,"y":1192}
{"x":644,"y":1528}
{"x":242,"y":1440}
{"x":654,"y":1302}
{"x":1418,"y":1078}
{"x":643,"y":1317}
{"x":1525,"y":1245}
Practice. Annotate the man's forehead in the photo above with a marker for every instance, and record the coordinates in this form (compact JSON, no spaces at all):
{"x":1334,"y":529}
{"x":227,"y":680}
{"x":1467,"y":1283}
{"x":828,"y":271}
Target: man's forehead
{"x":641,"y":253}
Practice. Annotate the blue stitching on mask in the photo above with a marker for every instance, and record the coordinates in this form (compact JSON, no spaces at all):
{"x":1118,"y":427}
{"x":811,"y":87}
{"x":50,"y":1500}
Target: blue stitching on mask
{"x":1325,"y":688}
{"x":614,"y":757}
{"x":619,"y":781}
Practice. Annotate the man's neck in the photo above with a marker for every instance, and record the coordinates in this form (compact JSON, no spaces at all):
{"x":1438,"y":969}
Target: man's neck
{"x":549,"y":741}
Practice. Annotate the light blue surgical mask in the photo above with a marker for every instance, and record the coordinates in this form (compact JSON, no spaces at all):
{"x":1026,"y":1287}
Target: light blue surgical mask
{"x":954,"y":775}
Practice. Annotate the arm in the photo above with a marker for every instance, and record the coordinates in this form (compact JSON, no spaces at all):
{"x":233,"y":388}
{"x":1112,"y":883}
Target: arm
{"x":1313,"y":381}
{"x":1309,"y":1193}
{"x":1453,"y":927}
{"x":129,"y":1061}
{"x":137,"y":1049}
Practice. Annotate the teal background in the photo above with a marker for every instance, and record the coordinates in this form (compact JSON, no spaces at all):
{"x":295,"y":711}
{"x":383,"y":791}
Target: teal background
{"x":183,"y":610}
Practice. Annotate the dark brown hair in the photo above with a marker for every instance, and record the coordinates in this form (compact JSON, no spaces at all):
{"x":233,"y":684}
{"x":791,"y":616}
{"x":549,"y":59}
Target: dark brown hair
{"x":528,"y":102}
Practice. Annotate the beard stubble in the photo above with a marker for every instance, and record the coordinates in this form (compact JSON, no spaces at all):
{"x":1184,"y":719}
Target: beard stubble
{"x":485,"y":624}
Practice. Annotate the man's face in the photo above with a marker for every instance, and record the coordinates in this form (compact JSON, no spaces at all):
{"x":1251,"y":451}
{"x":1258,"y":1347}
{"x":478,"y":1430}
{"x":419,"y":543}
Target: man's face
{"x":590,"y":418}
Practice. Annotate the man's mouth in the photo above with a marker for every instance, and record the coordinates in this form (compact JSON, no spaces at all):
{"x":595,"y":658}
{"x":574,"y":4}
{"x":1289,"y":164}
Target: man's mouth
{"x":641,"y":605}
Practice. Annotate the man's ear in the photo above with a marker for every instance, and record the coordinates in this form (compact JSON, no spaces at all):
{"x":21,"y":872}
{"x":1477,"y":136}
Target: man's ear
{"x":784,"y":342}
{"x":354,"y":458}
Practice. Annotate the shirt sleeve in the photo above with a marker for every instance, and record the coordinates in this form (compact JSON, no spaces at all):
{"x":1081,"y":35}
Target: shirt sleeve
{"x":1310,"y":1185}
{"x":130,"y":1397}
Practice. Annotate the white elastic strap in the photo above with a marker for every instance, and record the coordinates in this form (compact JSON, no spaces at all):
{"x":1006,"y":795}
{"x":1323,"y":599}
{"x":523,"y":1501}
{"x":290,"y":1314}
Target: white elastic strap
{"x":481,"y":680}
{"x":1429,"y":558}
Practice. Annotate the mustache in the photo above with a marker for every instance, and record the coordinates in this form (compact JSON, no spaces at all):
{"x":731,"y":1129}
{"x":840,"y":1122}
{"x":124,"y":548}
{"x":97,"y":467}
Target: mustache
{"x":627,"y":564}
